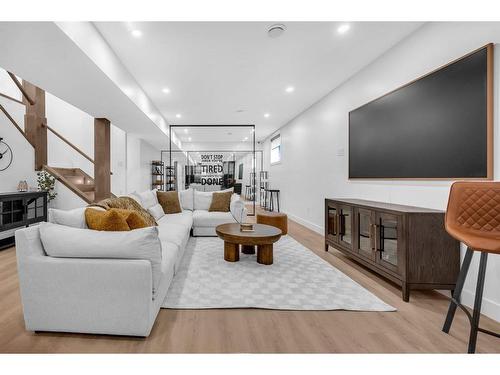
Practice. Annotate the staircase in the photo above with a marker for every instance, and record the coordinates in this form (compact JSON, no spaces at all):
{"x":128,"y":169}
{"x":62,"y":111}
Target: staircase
{"x":35,"y":132}
{"x":76,"y":180}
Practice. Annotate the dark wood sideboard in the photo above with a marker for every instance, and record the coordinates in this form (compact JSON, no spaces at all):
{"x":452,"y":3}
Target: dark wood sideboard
{"x":408,"y":245}
{"x":21,"y":210}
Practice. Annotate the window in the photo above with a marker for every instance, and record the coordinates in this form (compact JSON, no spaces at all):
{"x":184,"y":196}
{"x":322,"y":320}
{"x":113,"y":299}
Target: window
{"x":276,"y":149}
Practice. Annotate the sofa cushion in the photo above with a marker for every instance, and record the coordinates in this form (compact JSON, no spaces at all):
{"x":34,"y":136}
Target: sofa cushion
{"x":220,"y":201}
{"x":72,"y":218}
{"x":184,"y":218}
{"x":202,"y":200}
{"x":176,"y":233}
{"x":110,"y":220}
{"x":66,"y":242}
{"x":169,"y":201}
{"x":148,"y":198}
{"x":203,"y":218}
{"x":186,"y":198}
{"x":156,"y":211}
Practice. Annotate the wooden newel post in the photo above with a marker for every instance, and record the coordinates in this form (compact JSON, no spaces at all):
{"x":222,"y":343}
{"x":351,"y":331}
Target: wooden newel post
{"x":102,"y":158}
{"x":35,"y":122}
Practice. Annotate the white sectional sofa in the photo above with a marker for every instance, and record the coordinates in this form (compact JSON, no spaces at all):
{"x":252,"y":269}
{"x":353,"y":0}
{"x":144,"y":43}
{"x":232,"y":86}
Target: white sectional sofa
{"x":69,"y":284}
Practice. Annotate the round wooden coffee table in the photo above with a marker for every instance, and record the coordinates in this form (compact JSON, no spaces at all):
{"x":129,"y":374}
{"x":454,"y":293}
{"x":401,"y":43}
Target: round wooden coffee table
{"x":263,"y":237}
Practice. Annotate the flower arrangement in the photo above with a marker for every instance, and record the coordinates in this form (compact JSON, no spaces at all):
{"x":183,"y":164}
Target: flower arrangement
{"x":46,"y":182}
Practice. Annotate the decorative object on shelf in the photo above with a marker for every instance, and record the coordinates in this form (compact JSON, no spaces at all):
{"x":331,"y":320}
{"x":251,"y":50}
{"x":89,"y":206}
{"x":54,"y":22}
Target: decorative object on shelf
{"x":157,"y":175}
{"x":5,"y":155}
{"x":407,"y":245}
{"x":22,"y":186}
{"x":46,"y":182}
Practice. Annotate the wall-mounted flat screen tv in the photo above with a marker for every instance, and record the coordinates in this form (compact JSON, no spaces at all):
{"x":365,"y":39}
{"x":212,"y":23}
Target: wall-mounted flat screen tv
{"x":438,"y":126}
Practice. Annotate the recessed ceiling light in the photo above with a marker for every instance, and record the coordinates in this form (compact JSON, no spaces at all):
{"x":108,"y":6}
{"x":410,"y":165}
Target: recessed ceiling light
{"x":185,"y":130}
{"x":189,"y":139}
{"x":245,"y":139}
{"x":290,"y":89}
{"x":178,"y":115}
{"x":165,"y":90}
{"x":276,"y":30}
{"x":136,"y":33}
{"x":266,"y":115}
{"x":342,"y":29}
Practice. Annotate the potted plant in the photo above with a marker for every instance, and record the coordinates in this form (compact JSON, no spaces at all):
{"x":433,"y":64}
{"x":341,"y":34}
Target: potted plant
{"x":46,"y":182}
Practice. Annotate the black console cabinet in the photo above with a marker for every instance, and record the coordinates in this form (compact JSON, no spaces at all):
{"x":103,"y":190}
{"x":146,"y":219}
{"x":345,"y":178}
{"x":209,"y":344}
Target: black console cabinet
{"x":21,"y":210}
{"x":405,"y":244}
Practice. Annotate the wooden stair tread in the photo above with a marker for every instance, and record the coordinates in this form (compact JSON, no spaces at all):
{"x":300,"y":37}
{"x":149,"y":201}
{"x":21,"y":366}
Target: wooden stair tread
{"x":76,"y":180}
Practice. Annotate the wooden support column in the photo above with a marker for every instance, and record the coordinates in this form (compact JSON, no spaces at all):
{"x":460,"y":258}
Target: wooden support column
{"x":102,"y":158}
{"x":35,"y":122}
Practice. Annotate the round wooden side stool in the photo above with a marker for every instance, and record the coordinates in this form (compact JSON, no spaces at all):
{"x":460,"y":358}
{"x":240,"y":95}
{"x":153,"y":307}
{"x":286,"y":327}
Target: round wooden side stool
{"x":275,"y":219}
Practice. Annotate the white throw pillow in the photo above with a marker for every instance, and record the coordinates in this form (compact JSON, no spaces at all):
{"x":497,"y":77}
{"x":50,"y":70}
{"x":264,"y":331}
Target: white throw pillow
{"x":156,"y":211}
{"x":148,"y":198}
{"x":186,"y":198}
{"x":71,"y":218}
{"x":202,"y":200}
{"x":66,"y":242}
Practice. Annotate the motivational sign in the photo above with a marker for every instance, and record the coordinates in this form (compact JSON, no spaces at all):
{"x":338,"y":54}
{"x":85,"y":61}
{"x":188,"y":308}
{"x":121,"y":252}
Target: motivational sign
{"x":212,"y":169}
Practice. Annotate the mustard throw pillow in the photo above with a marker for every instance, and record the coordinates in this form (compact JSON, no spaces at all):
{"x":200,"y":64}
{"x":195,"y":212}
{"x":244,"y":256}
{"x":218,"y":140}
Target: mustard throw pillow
{"x":133,"y":219}
{"x":110,"y":220}
{"x":221,"y":202}
{"x":169,"y":201}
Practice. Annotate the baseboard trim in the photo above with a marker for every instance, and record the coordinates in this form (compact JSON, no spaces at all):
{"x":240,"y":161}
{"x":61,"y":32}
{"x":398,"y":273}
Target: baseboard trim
{"x":307,"y":223}
{"x":488,"y":307}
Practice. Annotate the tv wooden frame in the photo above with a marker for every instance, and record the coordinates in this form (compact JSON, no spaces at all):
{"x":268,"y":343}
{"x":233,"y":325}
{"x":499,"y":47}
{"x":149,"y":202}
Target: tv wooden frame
{"x":489,"y":121}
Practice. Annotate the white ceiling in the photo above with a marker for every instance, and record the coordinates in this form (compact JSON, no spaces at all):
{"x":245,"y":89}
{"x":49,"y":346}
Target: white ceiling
{"x":199,"y":135}
{"x":214,"y":69}
{"x":42,"y":53}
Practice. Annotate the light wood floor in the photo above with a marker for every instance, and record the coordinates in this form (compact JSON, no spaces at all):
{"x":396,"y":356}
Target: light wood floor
{"x":414,"y":328}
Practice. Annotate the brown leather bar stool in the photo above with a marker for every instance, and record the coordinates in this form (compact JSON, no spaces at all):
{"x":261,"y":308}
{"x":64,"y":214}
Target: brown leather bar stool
{"x":473,"y":217}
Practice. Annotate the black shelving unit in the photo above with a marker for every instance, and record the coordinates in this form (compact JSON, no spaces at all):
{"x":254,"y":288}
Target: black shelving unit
{"x":157,"y":175}
{"x":171,"y":177}
{"x":263,"y":186}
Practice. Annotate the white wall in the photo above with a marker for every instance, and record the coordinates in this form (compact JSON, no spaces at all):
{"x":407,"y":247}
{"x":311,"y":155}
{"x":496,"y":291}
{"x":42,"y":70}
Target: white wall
{"x":314,"y":144}
{"x":23,"y":162}
{"x":139,"y":157}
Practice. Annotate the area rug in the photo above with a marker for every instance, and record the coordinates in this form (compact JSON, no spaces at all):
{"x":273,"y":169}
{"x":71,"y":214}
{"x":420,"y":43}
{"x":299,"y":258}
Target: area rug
{"x":298,"y":280}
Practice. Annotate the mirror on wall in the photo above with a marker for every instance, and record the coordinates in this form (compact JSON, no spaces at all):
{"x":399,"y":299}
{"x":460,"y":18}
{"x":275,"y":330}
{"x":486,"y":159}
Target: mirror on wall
{"x":214,"y":158}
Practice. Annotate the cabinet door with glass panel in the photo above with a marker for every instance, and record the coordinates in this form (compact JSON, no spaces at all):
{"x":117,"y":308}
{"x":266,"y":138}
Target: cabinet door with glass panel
{"x":331,"y":222}
{"x":389,"y":241}
{"x":365,"y":233}
{"x":345,"y":226}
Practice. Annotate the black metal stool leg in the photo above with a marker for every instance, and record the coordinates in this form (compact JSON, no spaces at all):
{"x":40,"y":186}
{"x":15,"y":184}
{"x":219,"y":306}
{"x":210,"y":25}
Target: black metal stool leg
{"x":477,"y":303}
{"x":278,"y":198}
{"x":458,"y":290}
